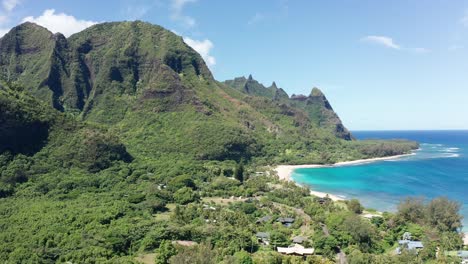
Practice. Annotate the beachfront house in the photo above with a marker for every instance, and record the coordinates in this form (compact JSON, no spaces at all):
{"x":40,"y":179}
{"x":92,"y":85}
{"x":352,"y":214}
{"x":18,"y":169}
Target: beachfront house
{"x":263,"y":238}
{"x":286,"y":221}
{"x":296,"y":250}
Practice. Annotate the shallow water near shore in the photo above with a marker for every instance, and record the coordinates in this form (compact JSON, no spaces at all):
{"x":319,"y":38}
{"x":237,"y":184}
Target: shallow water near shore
{"x":438,"y":168}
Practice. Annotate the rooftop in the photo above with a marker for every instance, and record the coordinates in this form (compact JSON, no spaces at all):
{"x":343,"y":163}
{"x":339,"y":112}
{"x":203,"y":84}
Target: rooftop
{"x":266,"y":218}
{"x":299,"y":239}
{"x":185,"y":243}
{"x":411,"y":244}
{"x":296,"y":250}
{"x":263,"y":235}
{"x":285,"y":220}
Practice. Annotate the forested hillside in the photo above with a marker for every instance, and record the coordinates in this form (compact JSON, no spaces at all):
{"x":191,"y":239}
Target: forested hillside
{"x":117,"y":142}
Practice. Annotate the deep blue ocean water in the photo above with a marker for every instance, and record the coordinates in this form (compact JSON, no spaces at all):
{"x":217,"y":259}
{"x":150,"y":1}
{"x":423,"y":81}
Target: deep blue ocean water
{"x":439,"y":168}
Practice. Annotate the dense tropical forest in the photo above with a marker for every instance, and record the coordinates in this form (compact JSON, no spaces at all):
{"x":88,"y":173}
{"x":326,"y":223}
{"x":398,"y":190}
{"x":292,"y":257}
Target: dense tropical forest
{"x":117,"y":145}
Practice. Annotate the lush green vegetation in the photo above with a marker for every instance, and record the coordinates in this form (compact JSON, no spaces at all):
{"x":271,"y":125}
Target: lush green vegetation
{"x":117,"y":142}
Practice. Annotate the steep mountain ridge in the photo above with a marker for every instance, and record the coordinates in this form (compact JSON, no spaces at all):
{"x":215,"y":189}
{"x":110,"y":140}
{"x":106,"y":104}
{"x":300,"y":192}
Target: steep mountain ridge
{"x":108,"y":67}
{"x":133,"y":74}
{"x":253,"y":87}
{"x":316,"y":105}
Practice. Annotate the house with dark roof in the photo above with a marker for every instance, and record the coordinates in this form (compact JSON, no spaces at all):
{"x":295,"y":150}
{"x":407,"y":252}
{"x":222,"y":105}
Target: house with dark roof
{"x":263,"y":237}
{"x":264,"y":219}
{"x":299,"y":239}
{"x":286,"y":221}
{"x":409,"y":245}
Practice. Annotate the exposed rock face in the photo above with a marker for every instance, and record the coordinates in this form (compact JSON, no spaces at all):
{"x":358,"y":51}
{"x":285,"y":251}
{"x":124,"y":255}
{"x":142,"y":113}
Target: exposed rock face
{"x":92,"y":70}
{"x":321,"y":112}
{"x":316,"y":105}
{"x":252,"y":87}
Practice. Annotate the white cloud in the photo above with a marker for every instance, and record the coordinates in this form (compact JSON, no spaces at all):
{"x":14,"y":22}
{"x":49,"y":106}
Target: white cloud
{"x":382,"y":40}
{"x":9,"y":5}
{"x":177,"y":7}
{"x":389,"y":43}
{"x":203,"y":47}
{"x":60,"y":22}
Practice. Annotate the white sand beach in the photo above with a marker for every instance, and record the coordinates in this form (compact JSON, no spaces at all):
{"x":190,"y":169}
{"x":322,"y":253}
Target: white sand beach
{"x":284,"y":171}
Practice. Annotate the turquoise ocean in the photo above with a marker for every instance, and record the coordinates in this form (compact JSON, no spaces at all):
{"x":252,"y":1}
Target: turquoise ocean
{"x":438,"y":168}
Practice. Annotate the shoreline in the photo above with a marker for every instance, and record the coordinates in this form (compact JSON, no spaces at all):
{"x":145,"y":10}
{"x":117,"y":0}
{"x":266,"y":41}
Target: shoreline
{"x":284,"y":172}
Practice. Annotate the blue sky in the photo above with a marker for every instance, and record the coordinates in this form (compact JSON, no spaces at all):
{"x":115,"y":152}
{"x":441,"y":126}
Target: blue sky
{"x":382,"y":65}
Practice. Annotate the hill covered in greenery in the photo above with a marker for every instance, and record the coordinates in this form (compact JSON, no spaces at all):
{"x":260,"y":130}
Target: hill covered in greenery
{"x":316,"y":105}
{"x":116,"y":140}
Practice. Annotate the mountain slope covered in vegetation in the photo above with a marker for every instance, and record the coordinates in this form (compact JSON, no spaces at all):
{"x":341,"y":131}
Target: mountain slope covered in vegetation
{"x":114,"y":141}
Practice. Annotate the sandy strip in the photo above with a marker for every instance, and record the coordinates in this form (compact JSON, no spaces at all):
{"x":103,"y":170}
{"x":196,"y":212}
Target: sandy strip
{"x":284,"y":171}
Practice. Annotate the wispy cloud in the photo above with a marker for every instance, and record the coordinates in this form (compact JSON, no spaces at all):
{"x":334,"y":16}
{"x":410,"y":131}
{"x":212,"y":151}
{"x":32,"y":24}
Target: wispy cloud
{"x":176,"y":9}
{"x":9,"y":5}
{"x":256,"y":18}
{"x":388,"y":42}
{"x":60,"y":22}
{"x":203,"y":47}
{"x":382,"y":40}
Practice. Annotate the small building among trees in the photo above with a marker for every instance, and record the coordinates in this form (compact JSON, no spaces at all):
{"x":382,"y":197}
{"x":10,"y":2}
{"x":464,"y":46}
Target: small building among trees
{"x":286,"y":221}
{"x":296,"y":250}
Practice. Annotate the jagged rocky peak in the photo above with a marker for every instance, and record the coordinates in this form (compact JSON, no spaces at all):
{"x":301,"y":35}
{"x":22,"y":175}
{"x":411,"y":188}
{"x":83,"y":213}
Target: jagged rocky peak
{"x":117,"y":58}
{"x":252,"y":87}
{"x":316,"y":92}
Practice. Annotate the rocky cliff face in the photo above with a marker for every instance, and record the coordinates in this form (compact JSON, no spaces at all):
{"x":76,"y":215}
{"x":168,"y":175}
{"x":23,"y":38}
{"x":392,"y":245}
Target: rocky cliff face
{"x":102,"y":68}
{"x":157,"y":95}
{"x":251,"y":86}
{"x":316,"y":105}
{"x":321,"y":112}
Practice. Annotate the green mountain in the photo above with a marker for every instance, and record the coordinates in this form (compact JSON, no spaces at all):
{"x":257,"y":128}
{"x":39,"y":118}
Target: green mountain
{"x":253,"y":87}
{"x":108,"y":134}
{"x":110,"y":67}
{"x":316,"y":105}
{"x":134,"y":75}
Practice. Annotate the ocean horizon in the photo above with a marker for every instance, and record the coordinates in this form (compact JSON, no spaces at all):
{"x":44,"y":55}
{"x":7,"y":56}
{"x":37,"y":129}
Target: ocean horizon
{"x":438,"y":168}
